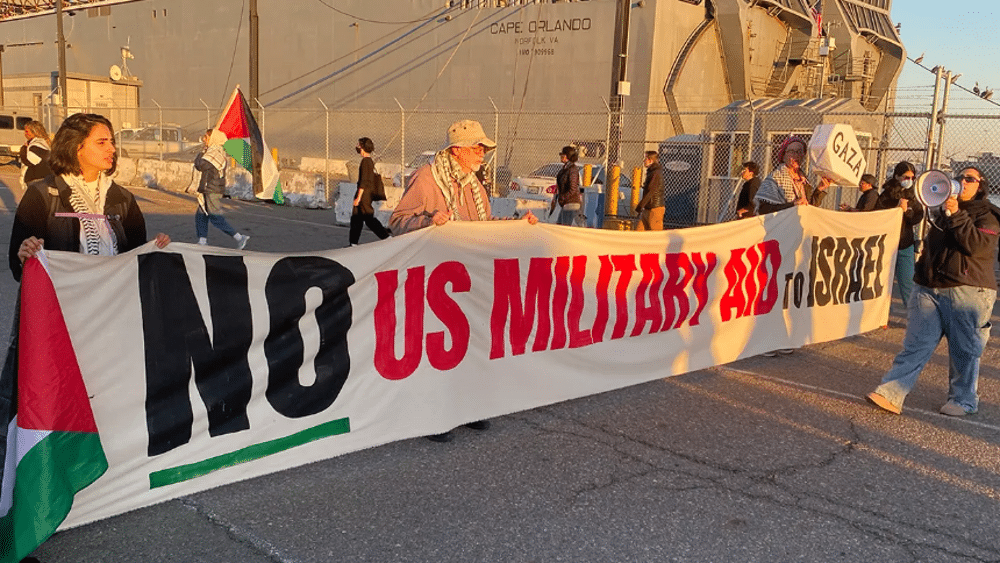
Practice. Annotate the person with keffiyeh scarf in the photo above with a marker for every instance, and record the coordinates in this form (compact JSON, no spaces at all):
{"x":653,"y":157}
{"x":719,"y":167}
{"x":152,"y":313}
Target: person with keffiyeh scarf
{"x":447,"y":189}
{"x":34,"y":154}
{"x":787,"y":185}
{"x":78,"y":208}
{"x":211,"y":162}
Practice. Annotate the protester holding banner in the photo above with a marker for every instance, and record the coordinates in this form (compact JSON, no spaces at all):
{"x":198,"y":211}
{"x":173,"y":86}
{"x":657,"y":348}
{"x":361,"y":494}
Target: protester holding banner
{"x":369,"y":189}
{"x":869,"y":195}
{"x":79,"y":208}
{"x":447,"y":189}
{"x":787,"y":185}
{"x":898,"y":192}
{"x":211,"y":162}
{"x":751,"y":183}
{"x":568,"y":187}
{"x":954,"y":297}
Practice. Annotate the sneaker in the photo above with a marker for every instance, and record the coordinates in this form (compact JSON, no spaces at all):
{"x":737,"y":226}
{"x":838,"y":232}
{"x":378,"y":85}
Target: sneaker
{"x":479,"y":425}
{"x":952,"y":408}
{"x":445,"y":437}
{"x":883,"y":403}
{"x":243,"y":242}
{"x":770,"y":354}
{"x":786,"y":351}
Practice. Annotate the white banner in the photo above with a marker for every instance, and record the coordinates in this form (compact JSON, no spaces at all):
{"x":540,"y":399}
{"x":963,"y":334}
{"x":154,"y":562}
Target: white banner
{"x":208,"y":366}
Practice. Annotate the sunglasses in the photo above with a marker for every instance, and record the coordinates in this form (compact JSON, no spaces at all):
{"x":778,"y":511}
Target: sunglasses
{"x":968,"y":179}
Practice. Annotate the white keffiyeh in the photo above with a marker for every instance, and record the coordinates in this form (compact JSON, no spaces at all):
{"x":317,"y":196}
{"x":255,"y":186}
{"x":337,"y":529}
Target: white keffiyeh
{"x":96,"y":236}
{"x":446,"y":170}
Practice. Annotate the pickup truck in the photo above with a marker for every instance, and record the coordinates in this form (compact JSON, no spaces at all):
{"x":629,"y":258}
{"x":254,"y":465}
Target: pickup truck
{"x":154,"y":141}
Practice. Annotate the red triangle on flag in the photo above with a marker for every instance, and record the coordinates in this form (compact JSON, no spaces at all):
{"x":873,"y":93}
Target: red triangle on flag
{"x":234,"y":120}
{"x":51,"y":394}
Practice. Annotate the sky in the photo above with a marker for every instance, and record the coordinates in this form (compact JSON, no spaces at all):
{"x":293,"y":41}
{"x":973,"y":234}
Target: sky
{"x":960,"y":35}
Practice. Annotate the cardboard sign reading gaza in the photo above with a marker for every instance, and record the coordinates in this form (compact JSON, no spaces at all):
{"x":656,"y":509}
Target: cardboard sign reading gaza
{"x":834,"y":153}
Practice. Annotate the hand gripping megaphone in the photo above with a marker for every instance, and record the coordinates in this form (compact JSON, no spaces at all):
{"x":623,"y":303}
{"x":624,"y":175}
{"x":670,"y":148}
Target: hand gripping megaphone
{"x":935,"y":187}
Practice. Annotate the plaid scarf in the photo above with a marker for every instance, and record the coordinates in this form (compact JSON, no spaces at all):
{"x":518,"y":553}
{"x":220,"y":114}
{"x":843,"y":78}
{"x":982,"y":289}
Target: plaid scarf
{"x":96,"y":237}
{"x":447,"y":172}
{"x":779,"y":187}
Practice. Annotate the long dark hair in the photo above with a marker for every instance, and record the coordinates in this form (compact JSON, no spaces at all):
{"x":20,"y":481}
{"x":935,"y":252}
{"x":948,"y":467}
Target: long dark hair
{"x":70,"y":137}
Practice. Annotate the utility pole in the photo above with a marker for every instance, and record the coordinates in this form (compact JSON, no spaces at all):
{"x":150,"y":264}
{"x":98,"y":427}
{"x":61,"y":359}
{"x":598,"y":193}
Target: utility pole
{"x":1,"y":75}
{"x":254,"y":52}
{"x":61,"y":39}
{"x":619,"y":84}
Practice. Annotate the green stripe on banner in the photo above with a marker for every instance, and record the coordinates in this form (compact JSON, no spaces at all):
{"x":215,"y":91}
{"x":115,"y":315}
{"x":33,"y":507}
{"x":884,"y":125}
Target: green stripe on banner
{"x":192,"y":470}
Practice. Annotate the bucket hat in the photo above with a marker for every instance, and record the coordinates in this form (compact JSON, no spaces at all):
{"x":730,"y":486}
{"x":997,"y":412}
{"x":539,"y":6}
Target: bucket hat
{"x":468,"y":133}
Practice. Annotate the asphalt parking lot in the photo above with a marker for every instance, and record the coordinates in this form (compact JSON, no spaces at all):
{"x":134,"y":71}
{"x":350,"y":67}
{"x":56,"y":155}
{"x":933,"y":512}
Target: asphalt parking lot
{"x":764,"y":460}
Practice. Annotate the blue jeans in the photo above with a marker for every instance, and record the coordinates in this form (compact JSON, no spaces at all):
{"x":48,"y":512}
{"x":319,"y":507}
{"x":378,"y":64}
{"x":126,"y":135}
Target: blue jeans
{"x":904,"y":272}
{"x":201,"y":220}
{"x":568,"y":216}
{"x":960,"y":314}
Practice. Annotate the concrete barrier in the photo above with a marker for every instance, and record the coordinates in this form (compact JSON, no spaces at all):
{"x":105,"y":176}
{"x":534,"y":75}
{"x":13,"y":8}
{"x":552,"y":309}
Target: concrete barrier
{"x":301,"y":189}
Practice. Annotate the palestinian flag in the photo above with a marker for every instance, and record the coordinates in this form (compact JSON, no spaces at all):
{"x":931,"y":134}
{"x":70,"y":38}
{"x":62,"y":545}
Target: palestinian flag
{"x":52,"y":447}
{"x":246,"y":145}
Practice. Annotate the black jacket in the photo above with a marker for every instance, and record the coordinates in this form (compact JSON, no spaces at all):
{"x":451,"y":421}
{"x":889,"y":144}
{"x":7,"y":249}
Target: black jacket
{"x":568,"y":184}
{"x":35,"y":216}
{"x":213,"y":181}
{"x":747,"y":193}
{"x":652,"y":188}
{"x":368,"y":181}
{"x":961,"y":249}
{"x":38,"y":171}
{"x":892,"y":192}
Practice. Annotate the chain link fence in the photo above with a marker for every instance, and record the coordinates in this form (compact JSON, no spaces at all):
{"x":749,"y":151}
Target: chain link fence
{"x":701,"y":165}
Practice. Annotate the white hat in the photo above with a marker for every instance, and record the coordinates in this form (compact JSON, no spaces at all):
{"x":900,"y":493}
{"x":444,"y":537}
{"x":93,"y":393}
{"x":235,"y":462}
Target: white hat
{"x":468,"y":133}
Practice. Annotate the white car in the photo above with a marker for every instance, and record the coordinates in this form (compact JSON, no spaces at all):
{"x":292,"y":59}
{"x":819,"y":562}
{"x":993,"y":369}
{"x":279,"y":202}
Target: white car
{"x":403,"y":179}
{"x":541,"y":184}
{"x":538,"y":188}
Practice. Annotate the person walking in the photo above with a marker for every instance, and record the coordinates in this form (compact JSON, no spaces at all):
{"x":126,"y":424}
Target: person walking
{"x":370,"y":188}
{"x":955,"y":291}
{"x":212,"y":162}
{"x":898,"y":191}
{"x":568,"y":187}
{"x":652,"y":207}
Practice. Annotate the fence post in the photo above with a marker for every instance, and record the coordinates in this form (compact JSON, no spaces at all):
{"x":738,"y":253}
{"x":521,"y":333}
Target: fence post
{"x":402,"y":142}
{"x":208,"y":114}
{"x":263,"y":131}
{"x":159,"y":125}
{"x":496,"y":139}
{"x":928,"y":157}
{"x":327,"y":193}
{"x":942,"y":117}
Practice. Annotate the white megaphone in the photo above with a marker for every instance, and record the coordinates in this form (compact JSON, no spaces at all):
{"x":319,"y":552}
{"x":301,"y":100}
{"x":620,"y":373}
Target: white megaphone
{"x":935,"y":187}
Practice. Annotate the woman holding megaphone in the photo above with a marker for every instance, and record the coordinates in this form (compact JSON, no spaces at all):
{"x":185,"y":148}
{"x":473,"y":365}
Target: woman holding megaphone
{"x":787,"y":185}
{"x":955,"y":290}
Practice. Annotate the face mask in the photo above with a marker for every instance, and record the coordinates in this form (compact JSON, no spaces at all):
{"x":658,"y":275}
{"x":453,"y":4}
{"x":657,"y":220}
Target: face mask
{"x":357,"y":150}
{"x":907,"y":184}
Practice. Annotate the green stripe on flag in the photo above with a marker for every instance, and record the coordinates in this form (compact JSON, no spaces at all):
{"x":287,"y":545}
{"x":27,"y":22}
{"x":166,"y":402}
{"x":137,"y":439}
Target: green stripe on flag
{"x":45,"y":481}
{"x":192,"y":470}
